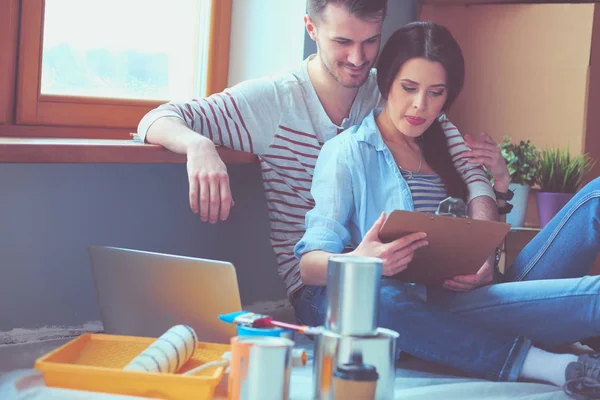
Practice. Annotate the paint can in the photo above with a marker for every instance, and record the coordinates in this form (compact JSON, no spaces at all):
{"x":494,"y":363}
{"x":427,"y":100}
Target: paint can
{"x":333,"y":350}
{"x":267,"y":331}
{"x":260,"y":368}
{"x":348,"y":313}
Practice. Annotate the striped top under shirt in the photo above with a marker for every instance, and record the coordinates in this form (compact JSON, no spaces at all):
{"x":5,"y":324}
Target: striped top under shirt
{"x":427,"y":190}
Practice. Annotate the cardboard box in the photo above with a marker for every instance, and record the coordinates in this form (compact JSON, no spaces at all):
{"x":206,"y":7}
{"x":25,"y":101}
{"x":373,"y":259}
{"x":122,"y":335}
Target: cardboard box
{"x":517,"y":239}
{"x":532,"y":71}
{"x":473,"y":2}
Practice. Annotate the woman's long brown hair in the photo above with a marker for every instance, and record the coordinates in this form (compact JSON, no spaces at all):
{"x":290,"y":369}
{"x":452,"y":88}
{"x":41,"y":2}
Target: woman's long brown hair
{"x":434,"y":43}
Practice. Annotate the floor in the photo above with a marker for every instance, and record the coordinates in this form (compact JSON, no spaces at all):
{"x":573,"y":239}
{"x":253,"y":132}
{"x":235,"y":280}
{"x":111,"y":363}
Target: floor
{"x":415,"y":380}
{"x":23,"y":356}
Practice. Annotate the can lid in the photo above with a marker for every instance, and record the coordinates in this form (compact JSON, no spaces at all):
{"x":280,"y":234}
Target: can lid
{"x":345,"y":259}
{"x":356,"y":371}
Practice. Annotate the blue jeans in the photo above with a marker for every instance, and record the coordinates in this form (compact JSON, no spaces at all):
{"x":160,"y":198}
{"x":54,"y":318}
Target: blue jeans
{"x":545,"y":300}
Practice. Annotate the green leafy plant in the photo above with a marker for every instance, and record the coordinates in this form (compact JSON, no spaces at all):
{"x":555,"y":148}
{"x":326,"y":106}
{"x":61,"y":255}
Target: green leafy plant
{"x":521,"y":160}
{"x":560,"y":172}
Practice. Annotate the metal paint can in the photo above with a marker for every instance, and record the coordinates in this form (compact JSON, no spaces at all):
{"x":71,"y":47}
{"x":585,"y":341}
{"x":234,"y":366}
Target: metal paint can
{"x":270,"y":331}
{"x":260,"y":368}
{"x":333,"y":350}
{"x":349,"y":313}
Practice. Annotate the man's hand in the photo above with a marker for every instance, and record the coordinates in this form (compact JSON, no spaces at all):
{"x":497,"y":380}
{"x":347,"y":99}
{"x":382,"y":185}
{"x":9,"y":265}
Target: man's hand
{"x":210,"y":194}
{"x":395,"y":255}
{"x":487,"y":153}
{"x":465,"y":283}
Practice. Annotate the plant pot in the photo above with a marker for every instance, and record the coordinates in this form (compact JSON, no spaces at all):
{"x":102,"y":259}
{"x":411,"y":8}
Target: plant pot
{"x":517,"y":215}
{"x":549,"y":204}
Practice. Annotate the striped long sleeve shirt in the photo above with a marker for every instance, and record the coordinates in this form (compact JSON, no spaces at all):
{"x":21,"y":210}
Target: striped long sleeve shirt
{"x":281,"y":120}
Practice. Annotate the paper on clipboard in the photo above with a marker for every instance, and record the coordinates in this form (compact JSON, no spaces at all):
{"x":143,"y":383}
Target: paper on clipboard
{"x":457,"y":246}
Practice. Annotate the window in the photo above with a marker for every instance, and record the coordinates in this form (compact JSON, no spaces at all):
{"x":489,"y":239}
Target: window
{"x":9,"y":21}
{"x":134,"y":59}
{"x":104,"y":64}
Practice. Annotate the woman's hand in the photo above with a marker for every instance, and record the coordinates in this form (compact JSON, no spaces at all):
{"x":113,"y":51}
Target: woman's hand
{"x":395,"y":255}
{"x":465,"y":283}
{"x":487,"y":153}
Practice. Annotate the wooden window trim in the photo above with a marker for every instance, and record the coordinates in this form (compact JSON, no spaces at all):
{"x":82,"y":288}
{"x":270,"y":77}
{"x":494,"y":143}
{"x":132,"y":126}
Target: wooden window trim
{"x":592,"y":137}
{"x":49,"y":132}
{"x":450,"y":3}
{"x":9,"y":21}
{"x":32,"y":108}
{"x":93,"y":151}
{"x":219,"y":43}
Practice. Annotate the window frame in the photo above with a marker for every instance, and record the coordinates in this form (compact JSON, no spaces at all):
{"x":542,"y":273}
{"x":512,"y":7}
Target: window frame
{"x":9,"y":22}
{"x":122,"y":115}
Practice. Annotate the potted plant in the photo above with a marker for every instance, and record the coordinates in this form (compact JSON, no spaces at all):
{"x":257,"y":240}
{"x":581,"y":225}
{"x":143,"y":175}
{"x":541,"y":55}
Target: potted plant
{"x":559,"y":175}
{"x":521,"y":160}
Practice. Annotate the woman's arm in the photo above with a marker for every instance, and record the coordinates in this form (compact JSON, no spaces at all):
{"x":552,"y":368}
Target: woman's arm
{"x":326,"y":223}
{"x":313,"y":267}
{"x":395,"y":256}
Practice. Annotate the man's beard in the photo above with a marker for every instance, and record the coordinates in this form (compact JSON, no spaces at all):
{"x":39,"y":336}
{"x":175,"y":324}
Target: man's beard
{"x":349,"y":83}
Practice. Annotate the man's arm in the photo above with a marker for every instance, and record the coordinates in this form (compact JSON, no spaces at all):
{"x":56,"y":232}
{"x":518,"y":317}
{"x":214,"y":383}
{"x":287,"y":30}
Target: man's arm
{"x":174,"y":134}
{"x":243,"y":118}
{"x":472,"y":174}
{"x":484,"y":208}
{"x":482,"y":202}
{"x":486,"y":152}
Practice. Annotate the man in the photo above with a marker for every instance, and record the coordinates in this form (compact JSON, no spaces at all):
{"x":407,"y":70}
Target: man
{"x":285,"y":119}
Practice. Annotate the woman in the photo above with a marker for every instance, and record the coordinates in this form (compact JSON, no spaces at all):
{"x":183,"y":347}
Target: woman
{"x":400,"y":158}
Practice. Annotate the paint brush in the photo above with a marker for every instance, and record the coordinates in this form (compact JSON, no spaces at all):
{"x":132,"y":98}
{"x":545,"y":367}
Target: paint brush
{"x":254,"y":320}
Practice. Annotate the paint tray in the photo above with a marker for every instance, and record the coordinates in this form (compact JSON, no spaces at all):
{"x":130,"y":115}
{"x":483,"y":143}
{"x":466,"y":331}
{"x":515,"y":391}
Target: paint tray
{"x":95,"y":362}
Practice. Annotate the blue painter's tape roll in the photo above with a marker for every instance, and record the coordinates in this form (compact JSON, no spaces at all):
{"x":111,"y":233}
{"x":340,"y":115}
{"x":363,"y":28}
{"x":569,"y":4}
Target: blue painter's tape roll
{"x":277,"y":332}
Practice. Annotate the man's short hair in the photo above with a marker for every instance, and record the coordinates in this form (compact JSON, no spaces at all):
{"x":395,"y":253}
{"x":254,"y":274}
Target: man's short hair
{"x":363,"y":9}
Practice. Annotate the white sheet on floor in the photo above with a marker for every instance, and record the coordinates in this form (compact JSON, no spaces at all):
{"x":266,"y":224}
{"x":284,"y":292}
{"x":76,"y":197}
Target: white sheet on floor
{"x":415,"y":382}
{"x":29,"y":385}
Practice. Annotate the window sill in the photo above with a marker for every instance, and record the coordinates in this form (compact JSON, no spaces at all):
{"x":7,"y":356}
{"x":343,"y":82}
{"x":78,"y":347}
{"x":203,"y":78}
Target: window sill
{"x":92,"y":151}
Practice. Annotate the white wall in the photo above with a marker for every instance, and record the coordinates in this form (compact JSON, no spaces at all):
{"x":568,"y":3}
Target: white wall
{"x":267,"y":36}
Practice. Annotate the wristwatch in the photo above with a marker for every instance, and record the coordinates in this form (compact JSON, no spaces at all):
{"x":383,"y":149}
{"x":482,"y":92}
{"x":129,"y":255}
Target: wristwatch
{"x":497,"y":257}
{"x":505,"y":209}
{"x":506,"y":196}
{"x":498,"y":276}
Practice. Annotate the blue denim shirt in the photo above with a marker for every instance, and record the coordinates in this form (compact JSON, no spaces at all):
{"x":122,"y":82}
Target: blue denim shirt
{"x":355,"y":179}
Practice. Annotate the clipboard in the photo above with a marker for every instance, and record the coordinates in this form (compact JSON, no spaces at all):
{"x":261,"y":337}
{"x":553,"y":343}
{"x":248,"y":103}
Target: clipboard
{"x":457,"y":246}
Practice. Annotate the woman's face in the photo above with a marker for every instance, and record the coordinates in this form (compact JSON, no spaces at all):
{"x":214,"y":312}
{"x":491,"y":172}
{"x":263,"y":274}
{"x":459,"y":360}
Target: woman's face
{"x":417,"y":96}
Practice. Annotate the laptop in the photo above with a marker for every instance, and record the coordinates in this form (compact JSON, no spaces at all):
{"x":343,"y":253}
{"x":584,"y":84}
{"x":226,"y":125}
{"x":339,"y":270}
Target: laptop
{"x":141,"y":293}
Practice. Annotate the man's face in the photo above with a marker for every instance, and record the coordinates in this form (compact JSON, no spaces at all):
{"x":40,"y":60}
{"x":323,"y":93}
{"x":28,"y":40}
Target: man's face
{"x":347,"y":45}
